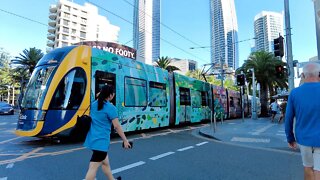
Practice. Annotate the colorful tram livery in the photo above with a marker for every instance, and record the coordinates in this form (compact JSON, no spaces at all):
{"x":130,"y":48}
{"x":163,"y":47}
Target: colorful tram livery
{"x":67,"y":79}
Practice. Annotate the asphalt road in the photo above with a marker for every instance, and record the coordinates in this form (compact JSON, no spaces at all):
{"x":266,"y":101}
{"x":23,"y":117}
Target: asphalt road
{"x":179,"y":153}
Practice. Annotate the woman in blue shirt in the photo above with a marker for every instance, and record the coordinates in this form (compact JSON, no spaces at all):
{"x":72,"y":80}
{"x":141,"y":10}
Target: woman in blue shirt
{"x":103,"y":114}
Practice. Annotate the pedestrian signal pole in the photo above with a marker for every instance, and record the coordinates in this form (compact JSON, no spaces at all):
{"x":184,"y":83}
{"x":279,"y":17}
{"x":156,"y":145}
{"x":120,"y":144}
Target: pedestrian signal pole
{"x":241,"y":82}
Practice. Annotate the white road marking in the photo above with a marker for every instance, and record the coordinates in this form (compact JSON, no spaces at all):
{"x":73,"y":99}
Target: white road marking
{"x":8,"y":140}
{"x":186,"y":148}
{"x":13,"y":123}
{"x":161,"y":155}
{"x":3,"y":178}
{"x":3,"y":123}
{"x":254,"y":140}
{"x":281,"y":134}
{"x":10,"y":165}
{"x":261,"y":130}
{"x":200,"y":144}
{"x":128,"y":167}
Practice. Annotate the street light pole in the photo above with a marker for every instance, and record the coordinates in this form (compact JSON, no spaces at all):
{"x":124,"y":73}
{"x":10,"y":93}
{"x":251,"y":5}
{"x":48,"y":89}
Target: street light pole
{"x":289,"y":45}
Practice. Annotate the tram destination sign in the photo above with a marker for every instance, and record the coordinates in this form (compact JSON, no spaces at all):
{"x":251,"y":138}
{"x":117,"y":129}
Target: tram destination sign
{"x":111,"y":47}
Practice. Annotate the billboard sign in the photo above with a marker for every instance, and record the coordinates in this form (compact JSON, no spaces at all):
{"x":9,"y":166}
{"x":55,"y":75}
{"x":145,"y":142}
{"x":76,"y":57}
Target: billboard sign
{"x":111,"y":47}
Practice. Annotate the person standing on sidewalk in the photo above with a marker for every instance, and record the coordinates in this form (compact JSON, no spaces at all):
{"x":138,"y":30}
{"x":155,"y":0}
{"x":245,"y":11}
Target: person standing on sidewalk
{"x":274,"y":106}
{"x":103,"y":114}
{"x":304,"y":105}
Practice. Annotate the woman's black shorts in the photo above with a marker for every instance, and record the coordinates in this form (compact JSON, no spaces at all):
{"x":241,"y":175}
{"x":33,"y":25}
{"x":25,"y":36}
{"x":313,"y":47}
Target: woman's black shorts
{"x":98,"y":156}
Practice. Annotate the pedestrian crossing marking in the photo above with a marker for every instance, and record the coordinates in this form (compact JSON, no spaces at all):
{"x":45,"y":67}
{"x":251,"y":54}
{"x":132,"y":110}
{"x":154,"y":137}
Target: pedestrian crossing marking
{"x":250,"y":140}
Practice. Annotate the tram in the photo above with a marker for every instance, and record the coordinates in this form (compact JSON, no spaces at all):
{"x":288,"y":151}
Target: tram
{"x":66,"y":80}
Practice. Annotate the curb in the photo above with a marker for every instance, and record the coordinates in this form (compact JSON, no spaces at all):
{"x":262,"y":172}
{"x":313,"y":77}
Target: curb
{"x":208,"y":136}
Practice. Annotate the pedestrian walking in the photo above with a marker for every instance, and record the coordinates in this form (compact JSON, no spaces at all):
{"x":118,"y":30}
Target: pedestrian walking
{"x":304,"y":105}
{"x":274,"y":106}
{"x":283,"y":107}
{"x":103,"y":114}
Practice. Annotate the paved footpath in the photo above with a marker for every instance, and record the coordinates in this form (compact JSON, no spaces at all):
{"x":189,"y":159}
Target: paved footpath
{"x":257,"y":133}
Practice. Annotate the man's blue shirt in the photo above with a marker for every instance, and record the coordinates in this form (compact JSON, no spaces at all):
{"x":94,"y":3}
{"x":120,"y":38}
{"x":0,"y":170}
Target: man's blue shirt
{"x":98,"y":137}
{"x":304,"y":105}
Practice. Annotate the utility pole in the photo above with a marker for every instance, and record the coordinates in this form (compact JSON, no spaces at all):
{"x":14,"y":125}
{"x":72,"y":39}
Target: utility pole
{"x":253,"y":100}
{"x":289,"y":46}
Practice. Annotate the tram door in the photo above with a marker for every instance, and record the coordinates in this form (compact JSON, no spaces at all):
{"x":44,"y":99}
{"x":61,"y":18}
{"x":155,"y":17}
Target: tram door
{"x":185,"y":105}
{"x":104,"y":78}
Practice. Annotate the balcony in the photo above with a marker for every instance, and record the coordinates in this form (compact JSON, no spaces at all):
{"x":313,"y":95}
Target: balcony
{"x":51,"y":36}
{"x":52,"y":23}
{"x":51,"y":30}
{"x":53,"y":16}
{"x":53,"y":8}
{"x":50,"y":43}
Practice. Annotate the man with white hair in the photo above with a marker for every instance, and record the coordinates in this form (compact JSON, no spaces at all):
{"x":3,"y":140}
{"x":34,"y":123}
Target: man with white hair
{"x":304,"y":105}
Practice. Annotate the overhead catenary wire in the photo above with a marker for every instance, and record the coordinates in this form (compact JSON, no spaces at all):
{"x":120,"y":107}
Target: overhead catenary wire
{"x":168,"y":42}
{"x":23,"y":17}
{"x":164,"y":25}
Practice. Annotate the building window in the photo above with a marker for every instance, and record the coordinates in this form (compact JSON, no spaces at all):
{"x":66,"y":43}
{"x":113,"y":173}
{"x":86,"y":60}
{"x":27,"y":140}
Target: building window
{"x":65,"y":30}
{"x":83,"y":34}
{"x":73,"y":31}
{"x":192,"y":66}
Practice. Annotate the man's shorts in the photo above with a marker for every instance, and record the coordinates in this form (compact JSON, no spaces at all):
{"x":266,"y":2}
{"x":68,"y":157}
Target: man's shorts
{"x":273,"y":112}
{"x":310,"y":156}
{"x":98,"y":156}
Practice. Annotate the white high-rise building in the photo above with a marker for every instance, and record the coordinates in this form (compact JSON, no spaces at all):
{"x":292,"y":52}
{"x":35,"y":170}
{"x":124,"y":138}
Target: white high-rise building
{"x":146,"y":30}
{"x":267,"y":27}
{"x":72,"y":23}
{"x":224,"y":33}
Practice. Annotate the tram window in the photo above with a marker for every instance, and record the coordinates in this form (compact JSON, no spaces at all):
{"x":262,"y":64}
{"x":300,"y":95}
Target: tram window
{"x":135,"y":92}
{"x":184,"y":96}
{"x":70,"y":91}
{"x":196,"y":99}
{"x":231,"y":102}
{"x":157,"y":94}
{"x":204,"y":97}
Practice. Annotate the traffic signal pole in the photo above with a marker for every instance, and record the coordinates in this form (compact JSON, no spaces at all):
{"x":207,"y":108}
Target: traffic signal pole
{"x":289,"y":46}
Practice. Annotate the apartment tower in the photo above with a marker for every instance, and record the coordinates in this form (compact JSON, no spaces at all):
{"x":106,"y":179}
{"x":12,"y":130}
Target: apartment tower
{"x":224,"y":33}
{"x":146,"y":30}
{"x":72,"y":23}
{"x":267,"y":27}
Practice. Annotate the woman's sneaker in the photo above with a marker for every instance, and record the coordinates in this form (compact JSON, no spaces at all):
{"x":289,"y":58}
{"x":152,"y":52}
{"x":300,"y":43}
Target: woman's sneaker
{"x":118,"y":178}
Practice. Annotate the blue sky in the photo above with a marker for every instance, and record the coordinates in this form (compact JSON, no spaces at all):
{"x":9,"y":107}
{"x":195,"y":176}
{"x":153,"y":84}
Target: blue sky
{"x":190,"y":18}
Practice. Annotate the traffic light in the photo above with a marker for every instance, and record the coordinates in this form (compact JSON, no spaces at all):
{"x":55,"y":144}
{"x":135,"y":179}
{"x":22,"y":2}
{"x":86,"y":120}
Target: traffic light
{"x":240,"y":80}
{"x":279,"y":71}
{"x":278,"y":47}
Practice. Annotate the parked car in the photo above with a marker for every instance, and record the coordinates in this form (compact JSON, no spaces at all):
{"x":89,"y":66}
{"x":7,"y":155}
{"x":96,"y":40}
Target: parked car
{"x":6,"y":108}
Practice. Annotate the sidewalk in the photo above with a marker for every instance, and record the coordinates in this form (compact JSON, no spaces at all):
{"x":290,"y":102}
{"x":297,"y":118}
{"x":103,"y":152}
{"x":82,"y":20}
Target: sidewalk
{"x":260,"y":132}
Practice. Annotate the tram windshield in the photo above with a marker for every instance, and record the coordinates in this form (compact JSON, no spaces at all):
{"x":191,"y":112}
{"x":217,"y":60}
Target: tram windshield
{"x":36,"y":87}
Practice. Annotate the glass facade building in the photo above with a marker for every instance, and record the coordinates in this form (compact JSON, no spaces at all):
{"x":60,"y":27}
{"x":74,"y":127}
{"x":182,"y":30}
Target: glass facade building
{"x":146,"y":30}
{"x":224,"y":33}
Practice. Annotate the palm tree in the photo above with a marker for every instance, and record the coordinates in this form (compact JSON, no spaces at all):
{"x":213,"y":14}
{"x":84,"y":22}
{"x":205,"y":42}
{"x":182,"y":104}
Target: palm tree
{"x":264,"y":64}
{"x":164,"y":63}
{"x":196,"y":74}
{"x":28,"y":59}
